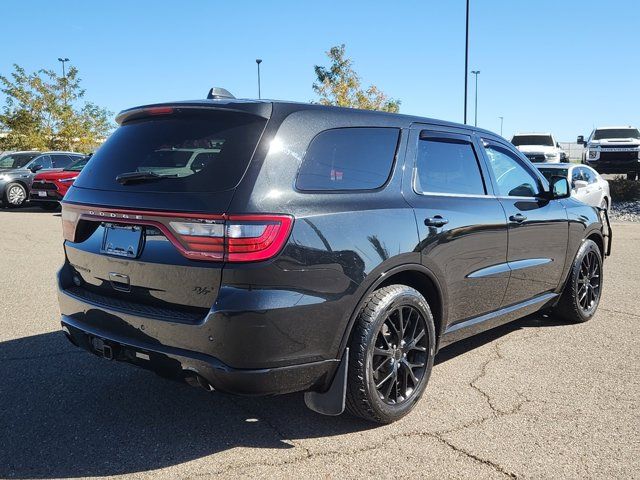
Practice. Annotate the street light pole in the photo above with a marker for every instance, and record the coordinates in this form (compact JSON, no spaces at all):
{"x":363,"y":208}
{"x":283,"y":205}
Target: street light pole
{"x":259,"y":61}
{"x":501,"y":121}
{"x":64,"y":78}
{"x":476,"y":72}
{"x":466,"y":64}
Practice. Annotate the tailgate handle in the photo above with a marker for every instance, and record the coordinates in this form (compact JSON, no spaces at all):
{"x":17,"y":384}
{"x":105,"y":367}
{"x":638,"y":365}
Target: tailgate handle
{"x":120,"y":282}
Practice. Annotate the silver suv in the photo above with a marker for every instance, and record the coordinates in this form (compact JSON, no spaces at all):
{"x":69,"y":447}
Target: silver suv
{"x":17,"y":170}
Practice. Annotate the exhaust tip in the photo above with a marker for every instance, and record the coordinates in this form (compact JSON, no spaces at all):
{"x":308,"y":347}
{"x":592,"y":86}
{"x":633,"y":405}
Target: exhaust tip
{"x":196,"y":380}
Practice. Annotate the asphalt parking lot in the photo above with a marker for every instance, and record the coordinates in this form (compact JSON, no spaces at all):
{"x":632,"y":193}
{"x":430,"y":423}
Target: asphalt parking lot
{"x":533,"y":399}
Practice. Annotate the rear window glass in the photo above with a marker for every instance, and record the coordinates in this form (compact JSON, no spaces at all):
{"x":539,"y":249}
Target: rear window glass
{"x":189,"y":152}
{"x":544,"y":140}
{"x":554,"y":172}
{"x":348,"y":159}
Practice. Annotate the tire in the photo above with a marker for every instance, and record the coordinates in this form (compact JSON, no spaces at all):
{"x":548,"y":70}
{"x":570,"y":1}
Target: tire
{"x":49,"y":206}
{"x":15,"y":194}
{"x":406,"y":364}
{"x":579,"y":302}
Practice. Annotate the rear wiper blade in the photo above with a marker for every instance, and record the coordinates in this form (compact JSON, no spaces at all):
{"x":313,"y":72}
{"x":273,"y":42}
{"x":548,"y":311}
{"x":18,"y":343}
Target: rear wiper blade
{"x":133,"y":177}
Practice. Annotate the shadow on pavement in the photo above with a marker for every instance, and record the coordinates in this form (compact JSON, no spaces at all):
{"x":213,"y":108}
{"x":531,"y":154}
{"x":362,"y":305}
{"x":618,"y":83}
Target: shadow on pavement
{"x":28,"y":209}
{"x":533,"y":321}
{"x":65,"y":413}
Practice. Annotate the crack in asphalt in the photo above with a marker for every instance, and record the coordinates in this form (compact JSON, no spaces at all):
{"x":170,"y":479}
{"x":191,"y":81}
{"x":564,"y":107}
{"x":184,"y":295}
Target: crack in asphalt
{"x":620,"y":311}
{"x":483,"y":372}
{"x":308,"y":455}
{"x":392,"y":438}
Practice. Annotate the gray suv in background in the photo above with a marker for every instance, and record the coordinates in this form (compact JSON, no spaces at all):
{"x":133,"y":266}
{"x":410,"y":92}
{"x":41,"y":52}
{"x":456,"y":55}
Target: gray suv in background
{"x":18,"y":169}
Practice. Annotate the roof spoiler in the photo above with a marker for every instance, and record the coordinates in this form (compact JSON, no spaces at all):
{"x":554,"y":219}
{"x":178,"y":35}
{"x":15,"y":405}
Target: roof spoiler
{"x":217,"y":93}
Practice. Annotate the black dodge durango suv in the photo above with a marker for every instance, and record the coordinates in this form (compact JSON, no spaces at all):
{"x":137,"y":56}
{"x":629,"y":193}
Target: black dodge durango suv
{"x":265,"y":247}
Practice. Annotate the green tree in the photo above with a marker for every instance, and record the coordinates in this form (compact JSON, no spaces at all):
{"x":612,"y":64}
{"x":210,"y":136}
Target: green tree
{"x":339,"y":85}
{"x":47,"y":112}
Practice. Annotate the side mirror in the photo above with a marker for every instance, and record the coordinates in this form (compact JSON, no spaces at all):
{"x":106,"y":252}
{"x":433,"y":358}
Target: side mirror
{"x":557,"y":144}
{"x":559,"y":187}
{"x":35,"y":168}
{"x":578,"y":184}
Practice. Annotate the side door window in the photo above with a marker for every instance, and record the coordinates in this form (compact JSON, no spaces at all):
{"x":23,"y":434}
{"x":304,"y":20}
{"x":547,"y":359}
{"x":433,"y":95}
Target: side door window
{"x":576,"y":175}
{"x":588,"y":175}
{"x":60,"y":161}
{"x":512,"y":178}
{"x":44,"y":161}
{"x":447,"y":164}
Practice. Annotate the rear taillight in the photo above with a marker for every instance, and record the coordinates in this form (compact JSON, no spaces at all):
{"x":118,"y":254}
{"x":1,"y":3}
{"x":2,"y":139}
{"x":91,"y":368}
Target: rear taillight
{"x":231,"y":238}
{"x":250,"y":238}
{"x":238,"y":238}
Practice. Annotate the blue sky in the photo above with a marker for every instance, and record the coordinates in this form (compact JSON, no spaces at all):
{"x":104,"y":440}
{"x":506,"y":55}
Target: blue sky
{"x":561,"y":66}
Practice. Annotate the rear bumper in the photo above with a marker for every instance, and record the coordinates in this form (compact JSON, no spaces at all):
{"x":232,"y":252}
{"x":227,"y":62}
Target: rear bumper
{"x":246,"y":353}
{"x":180,"y":364}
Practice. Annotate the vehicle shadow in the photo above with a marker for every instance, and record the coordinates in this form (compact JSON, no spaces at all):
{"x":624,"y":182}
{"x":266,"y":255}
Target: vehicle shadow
{"x":28,"y":209}
{"x":536,"y":320}
{"x":65,"y":413}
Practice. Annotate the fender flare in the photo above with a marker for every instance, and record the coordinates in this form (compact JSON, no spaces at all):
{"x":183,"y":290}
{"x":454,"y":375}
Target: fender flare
{"x":416,"y":267}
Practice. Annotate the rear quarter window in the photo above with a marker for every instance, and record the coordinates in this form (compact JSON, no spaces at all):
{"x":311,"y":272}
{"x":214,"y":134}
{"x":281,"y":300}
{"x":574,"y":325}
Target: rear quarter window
{"x":353,"y":158}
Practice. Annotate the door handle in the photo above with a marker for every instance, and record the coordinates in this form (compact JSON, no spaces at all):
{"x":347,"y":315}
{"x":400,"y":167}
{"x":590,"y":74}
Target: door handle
{"x":518,"y":218}
{"x":436,"y":221}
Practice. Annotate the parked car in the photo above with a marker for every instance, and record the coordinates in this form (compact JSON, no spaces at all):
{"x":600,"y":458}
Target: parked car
{"x":320,"y":249}
{"x":15,"y":181}
{"x":586,"y":184}
{"x":13,"y":160}
{"x":540,"y":147}
{"x":613,"y":150}
{"x":48,"y":188}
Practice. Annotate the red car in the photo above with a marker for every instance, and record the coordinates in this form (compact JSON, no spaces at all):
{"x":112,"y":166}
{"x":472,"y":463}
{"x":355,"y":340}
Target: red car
{"x":48,"y":188}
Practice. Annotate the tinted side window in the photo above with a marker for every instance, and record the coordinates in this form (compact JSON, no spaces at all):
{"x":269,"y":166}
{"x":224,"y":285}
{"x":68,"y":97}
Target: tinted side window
{"x":513,"y":179}
{"x":44,"y":160}
{"x":588,"y":175}
{"x":577,"y":174}
{"x":60,"y":161}
{"x":447,"y":166}
{"x":348,"y":159}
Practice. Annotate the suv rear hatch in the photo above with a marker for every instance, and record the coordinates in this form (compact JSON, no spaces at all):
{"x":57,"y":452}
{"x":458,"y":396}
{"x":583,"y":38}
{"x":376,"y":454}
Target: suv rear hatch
{"x":145,"y":222}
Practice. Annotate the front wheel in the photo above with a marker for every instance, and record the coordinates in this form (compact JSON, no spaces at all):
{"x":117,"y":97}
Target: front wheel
{"x":391,"y":354}
{"x":581,"y":295}
{"x":15,"y":194}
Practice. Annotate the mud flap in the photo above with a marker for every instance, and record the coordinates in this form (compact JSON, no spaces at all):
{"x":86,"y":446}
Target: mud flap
{"x":332,"y":401}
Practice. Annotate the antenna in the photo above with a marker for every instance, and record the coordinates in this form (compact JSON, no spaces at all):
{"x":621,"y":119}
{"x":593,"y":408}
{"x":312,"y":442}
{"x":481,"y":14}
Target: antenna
{"x":217,"y":93}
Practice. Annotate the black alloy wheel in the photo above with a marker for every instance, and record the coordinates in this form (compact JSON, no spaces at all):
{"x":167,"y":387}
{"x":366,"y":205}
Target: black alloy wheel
{"x":589,"y":282}
{"x":400,"y":355}
{"x":391,"y":353}
{"x":583,"y":288}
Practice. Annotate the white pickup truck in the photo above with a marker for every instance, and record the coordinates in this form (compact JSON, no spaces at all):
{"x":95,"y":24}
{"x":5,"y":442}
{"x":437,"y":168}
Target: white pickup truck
{"x":613,"y":150}
{"x":539,"y":147}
